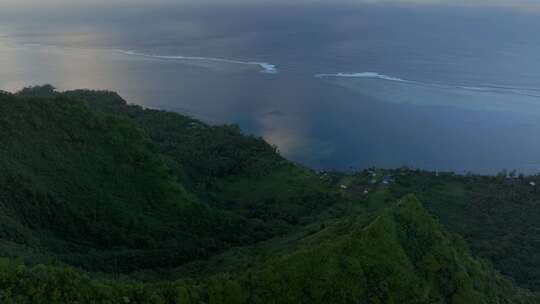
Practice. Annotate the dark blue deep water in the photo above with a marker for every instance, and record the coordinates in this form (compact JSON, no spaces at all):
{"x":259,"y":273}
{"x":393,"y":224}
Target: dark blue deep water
{"x":332,"y":85}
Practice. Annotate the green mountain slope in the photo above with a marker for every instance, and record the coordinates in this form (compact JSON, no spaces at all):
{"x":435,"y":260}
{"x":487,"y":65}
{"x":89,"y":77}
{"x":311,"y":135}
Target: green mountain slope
{"x":497,"y":215}
{"x":74,"y":180}
{"x":117,"y":193}
{"x":224,"y":167}
{"x":403,"y":256}
{"x":155,"y":207}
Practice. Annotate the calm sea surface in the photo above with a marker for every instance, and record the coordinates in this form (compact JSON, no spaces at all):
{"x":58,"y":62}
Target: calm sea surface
{"x":333,"y":86}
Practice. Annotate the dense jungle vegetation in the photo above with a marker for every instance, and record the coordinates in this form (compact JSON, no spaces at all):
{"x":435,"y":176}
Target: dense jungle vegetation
{"x":106,"y":202}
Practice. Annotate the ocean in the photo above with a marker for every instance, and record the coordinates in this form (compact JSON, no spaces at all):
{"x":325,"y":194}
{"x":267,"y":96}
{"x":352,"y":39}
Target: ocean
{"x":334,"y":86}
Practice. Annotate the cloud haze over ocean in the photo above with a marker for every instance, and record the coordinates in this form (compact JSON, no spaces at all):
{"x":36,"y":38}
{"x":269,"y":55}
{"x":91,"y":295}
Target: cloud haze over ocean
{"x":86,"y":3}
{"x":13,"y":10}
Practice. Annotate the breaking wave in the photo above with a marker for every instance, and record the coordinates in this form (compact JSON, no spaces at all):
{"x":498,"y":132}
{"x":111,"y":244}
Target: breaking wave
{"x":524,"y":91}
{"x":267,"y":68}
{"x":363,"y":75}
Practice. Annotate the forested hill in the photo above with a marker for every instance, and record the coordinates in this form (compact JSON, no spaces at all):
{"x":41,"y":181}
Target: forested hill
{"x":105,"y":202}
{"x":110,"y":193}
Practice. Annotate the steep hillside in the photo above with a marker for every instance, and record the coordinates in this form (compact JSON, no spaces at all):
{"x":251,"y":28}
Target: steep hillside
{"x":73,"y":180}
{"x":225,"y":167}
{"x":403,"y":256}
{"x":108,"y":192}
{"x":497,"y":215}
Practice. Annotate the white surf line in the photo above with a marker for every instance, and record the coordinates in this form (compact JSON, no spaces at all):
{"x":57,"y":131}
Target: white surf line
{"x":267,"y":68}
{"x":530,"y":92}
{"x":372,"y":75}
